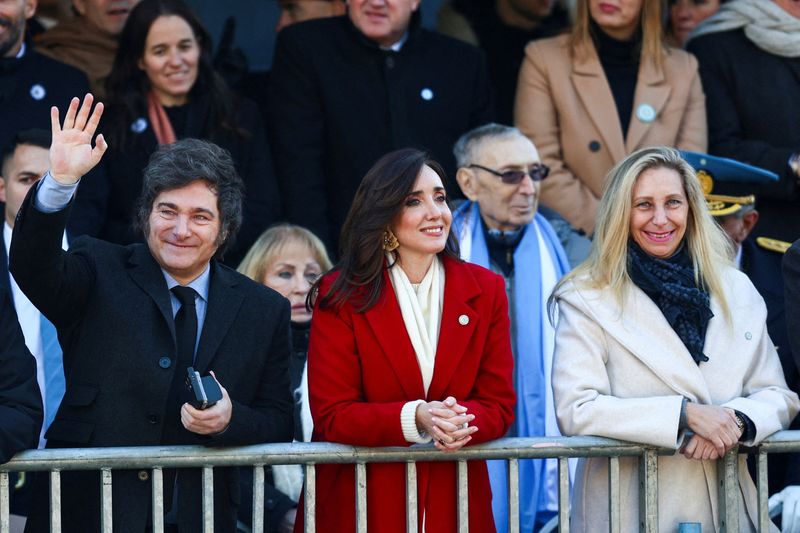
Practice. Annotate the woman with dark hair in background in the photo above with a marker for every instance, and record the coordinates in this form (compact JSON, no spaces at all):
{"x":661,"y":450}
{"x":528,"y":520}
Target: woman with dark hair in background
{"x":288,"y":259}
{"x":590,"y":98}
{"x":408,"y":344}
{"x":163,"y":88}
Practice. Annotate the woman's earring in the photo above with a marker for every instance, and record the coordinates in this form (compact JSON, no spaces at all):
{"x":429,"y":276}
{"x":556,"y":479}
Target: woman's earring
{"x":389,"y":241}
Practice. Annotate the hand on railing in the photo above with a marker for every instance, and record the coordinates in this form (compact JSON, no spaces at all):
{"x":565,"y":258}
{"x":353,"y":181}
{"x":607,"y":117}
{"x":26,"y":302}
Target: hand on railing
{"x":447,"y":422}
{"x":716,"y":425}
{"x":700,"y":448}
{"x":787,"y":503}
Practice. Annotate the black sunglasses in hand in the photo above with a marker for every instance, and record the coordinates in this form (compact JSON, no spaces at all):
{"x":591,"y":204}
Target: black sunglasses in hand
{"x":537,"y":172}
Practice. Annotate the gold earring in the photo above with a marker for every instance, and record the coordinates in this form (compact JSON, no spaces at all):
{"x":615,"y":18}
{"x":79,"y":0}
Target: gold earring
{"x":389,"y":241}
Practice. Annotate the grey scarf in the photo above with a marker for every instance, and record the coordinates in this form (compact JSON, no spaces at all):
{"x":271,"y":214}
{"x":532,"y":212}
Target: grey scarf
{"x":765,"y":23}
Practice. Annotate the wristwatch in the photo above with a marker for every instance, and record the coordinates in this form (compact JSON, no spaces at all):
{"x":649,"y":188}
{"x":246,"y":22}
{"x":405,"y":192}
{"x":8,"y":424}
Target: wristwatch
{"x":794,"y":163}
{"x":740,"y":424}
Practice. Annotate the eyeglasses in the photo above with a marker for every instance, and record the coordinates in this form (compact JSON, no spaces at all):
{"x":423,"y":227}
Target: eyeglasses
{"x":537,"y":172}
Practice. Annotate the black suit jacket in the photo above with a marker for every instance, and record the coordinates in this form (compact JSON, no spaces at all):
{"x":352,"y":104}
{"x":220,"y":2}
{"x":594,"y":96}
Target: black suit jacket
{"x":754,"y":122}
{"x":338,"y":103}
{"x":791,"y":278}
{"x":112,"y":309}
{"x":20,"y":400}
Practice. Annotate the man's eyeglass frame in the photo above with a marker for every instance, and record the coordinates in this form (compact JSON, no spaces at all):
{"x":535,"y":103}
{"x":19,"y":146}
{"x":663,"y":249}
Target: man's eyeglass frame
{"x":537,"y":172}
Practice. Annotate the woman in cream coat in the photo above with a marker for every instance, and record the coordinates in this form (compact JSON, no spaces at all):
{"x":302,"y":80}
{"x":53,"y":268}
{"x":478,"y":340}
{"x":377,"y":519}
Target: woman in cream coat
{"x":573,"y":115}
{"x":660,"y":341}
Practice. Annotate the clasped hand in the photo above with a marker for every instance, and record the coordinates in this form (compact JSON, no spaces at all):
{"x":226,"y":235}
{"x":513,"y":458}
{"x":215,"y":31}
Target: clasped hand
{"x":715,"y":431}
{"x":446,"y":422}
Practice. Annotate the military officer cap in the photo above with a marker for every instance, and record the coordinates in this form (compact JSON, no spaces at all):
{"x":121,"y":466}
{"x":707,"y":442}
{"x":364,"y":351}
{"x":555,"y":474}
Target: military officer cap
{"x":717,"y":173}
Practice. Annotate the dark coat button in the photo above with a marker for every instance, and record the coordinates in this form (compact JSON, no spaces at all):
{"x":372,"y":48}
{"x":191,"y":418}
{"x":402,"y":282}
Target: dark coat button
{"x":165,"y":362}
{"x":390,"y":62}
{"x":153,"y":419}
{"x":144,"y":475}
{"x":594,"y":146}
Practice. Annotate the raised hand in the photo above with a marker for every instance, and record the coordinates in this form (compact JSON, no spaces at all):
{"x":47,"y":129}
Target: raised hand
{"x":71,"y":151}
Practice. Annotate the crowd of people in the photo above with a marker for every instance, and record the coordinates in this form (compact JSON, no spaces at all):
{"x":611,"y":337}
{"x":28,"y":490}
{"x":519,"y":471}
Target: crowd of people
{"x":539,"y":220}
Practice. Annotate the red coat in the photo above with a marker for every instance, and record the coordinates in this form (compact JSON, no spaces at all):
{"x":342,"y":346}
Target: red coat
{"x":362,"y":369}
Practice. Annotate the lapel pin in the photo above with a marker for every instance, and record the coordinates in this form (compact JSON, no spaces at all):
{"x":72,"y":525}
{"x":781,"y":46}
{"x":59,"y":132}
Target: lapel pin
{"x":37,"y":91}
{"x":426,"y":94}
{"x":748,"y":335}
{"x":646,"y":113}
{"x":463,"y":320}
{"x":139,"y":125}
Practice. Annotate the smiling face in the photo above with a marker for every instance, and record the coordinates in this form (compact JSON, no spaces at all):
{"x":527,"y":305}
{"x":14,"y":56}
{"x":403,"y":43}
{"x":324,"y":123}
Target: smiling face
{"x":659,"y":212}
{"x":170,"y":59}
{"x":503,"y":206}
{"x":20,"y":172}
{"x":184,"y":230}
{"x":423,"y":225}
{"x":108,"y":16}
{"x":382,"y":21}
{"x":292,"y":274}
{"x":617,"y":18}
{"x":685,"y":15}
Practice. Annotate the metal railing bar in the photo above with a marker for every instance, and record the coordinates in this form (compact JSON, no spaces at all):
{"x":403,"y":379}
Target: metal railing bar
{"x":613,"y":495}
{"x":727,"y":469}
{"x":361,"y":498}
{"x":158,"y":500}
{"x":648,"y":492}
{"x":763,"y":491}
{"x":55,"y":501}
{"x":208,"y":499}
{"x":258,"y":499}
{"x":106,"y":512}
{"x":133,"y":457}
{"x":5,"y":497}
{"x":513,"y":496}
{"x":462,"y":497}
{"x":310,"y":499}
{"x":412,"y":518}
{"x":563,"y":495}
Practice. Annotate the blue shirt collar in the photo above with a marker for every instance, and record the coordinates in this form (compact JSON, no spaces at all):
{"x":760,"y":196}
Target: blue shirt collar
{"x":200,"y":284}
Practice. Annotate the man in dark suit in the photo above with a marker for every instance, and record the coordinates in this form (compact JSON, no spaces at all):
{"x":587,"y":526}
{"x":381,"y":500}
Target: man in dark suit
{"x":20,"y":402}
{"x":132,"y":319}
{"x":346,"y":90}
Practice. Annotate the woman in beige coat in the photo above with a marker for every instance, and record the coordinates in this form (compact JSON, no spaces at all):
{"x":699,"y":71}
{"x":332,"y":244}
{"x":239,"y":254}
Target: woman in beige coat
{"x":661,"y":341}
{"x":588,"y":99}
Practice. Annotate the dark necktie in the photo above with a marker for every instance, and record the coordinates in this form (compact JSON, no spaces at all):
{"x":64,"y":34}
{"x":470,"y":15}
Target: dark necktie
{"x":186,"y":337}
{"x":185,"y":327}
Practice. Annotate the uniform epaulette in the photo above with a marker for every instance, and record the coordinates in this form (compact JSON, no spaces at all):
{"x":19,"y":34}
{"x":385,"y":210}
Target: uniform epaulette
{"x":773,"y":245}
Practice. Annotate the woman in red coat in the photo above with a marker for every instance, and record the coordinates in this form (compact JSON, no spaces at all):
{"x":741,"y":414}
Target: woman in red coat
{"x":408,"y":345}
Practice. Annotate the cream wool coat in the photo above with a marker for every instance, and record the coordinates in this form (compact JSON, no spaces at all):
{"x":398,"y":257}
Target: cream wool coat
{"x":565,"y":106}
{"x":622,"y":373}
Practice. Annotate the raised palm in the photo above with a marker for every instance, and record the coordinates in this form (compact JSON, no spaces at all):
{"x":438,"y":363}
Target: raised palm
{"x":71,"y":151}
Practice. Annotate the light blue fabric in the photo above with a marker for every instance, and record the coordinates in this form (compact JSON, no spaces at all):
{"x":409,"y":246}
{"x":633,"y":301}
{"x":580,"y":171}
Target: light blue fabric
{"x":52,"y":357}
{"x":530,"y":378}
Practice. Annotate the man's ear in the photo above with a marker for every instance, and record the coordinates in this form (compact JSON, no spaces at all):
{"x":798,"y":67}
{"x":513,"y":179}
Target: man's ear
{"x":2,"y":189}
{"x":468,"y":183}
{"x":30,"y":8}
{"x":749,"y":221}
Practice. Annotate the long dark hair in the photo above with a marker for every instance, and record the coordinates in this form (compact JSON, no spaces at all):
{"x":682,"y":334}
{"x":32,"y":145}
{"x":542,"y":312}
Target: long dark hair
{"x":378,"y":202}
{"x":127,"y":85}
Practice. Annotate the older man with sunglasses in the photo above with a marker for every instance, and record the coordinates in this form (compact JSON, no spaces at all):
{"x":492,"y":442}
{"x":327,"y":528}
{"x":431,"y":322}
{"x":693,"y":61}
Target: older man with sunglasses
{"x":500,"y":173}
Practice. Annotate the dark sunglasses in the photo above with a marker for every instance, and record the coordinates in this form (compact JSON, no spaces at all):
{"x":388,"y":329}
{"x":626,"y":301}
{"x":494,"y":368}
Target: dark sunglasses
{"x":537,"y":172}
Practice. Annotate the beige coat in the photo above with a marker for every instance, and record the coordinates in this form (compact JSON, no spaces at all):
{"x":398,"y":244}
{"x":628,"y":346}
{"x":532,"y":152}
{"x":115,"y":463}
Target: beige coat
{"x":565,"y":106}
{"x":622,"y":373}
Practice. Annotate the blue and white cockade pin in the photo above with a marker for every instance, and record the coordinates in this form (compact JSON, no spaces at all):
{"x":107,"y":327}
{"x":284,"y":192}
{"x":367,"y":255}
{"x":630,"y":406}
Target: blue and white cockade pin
{"x":426,"y":94}
{"x":646,"y":113}
{"x":139,"y":125}
{"x":463,"y":320}
{"x":37,"y":91}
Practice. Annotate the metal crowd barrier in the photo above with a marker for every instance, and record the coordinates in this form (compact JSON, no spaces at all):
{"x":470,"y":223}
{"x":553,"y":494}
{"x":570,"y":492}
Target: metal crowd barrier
{"x":156,"y":458}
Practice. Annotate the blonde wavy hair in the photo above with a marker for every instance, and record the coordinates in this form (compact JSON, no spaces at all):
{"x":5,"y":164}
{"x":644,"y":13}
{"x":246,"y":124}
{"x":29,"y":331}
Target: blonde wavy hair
{"x":607,"y":264}
{"x":269,"y":246}
{"x":650,"y":22}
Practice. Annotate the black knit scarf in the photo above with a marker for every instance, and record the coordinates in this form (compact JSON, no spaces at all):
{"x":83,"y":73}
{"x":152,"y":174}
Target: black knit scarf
{"x":670,"y":284}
